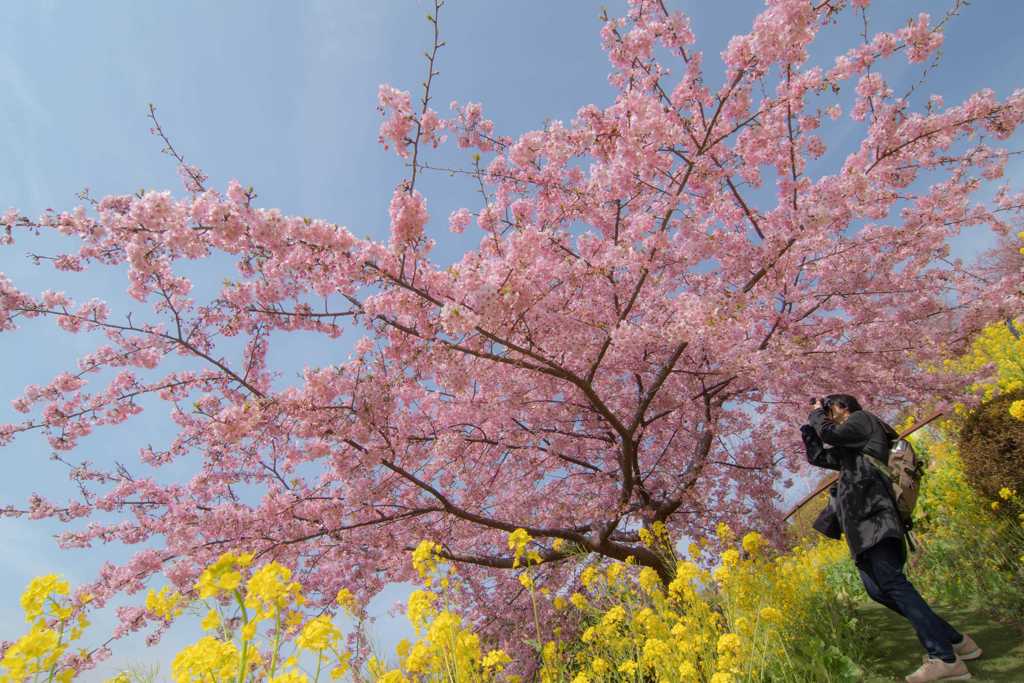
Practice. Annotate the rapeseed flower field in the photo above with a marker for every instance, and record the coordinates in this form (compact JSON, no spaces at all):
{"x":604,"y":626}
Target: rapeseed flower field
{"x":735,"y":610}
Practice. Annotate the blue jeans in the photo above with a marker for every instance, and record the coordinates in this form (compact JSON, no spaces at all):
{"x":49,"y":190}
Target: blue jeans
{"x":881,"y":570}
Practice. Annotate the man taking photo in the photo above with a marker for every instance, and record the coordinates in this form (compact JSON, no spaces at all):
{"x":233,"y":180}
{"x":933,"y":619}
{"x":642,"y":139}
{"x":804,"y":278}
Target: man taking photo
{"x":842,"y":436}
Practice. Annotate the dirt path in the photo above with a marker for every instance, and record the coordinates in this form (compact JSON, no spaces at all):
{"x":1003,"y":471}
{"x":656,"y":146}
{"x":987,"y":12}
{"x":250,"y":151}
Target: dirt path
{"x":900,"y":653}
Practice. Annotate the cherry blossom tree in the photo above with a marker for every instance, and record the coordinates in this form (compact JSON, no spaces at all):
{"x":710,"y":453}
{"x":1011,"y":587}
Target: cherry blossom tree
{"x":658,"y":286}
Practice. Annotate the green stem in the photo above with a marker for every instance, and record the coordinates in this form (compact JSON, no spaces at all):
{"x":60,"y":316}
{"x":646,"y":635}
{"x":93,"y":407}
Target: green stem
{"x":245,"y":644}
{"x":536,"y":619}
{"x":277,"y":642}
{"x":53,"y":667}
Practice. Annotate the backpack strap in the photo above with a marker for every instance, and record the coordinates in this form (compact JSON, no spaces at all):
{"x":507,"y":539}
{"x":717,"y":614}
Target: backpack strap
{"x":889,"y":477}
{"x":879,"y":465}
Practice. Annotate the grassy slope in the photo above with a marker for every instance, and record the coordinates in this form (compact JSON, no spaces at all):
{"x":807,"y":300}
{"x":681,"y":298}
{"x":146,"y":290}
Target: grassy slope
{"x":900,"y":653}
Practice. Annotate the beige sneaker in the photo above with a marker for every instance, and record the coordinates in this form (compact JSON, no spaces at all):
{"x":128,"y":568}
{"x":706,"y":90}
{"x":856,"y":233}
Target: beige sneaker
{"x":967,"y":649}
{"x":938,"y":670}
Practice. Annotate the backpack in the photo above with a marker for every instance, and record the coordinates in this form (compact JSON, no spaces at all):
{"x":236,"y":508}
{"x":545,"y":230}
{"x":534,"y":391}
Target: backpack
{"x":905,"y":470}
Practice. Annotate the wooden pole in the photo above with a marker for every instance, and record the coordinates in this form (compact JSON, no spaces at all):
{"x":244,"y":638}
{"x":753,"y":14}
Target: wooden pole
{"x":832,"y":478}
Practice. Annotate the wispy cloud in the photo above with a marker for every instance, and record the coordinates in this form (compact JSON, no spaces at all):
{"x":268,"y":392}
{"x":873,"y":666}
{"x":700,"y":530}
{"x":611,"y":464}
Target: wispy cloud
{"x":25,"y":121}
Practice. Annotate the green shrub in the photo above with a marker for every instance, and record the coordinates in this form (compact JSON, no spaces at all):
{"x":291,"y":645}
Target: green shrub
{"x":991,"y":444}
{"x":972,"y":547}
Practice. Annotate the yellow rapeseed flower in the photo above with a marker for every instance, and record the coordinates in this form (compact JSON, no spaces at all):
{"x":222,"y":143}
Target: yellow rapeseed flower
{"x":649,"y":580}
{"x":346,"y":600}
{"x":319,"y":634}
{"x":688,"y":672}
{"x":656,"y":651}
{"x":211,"y":621}
{"x":420,"y":608}
{"x":342,"y":666}
{"x":420,"y":658}
{"x":224,"y":575}
{"x":165,"y":604}
{"x":753,"y":542}
{"x":496,"y":659}
{"x":517,"y":541}
{"x":207,"y":658}
{"x":38,"y":591}
{"x":35,"y":652}
{"x":425,"y":559}
{"x":614,"y":617}
{"x":728,"y":643}
{"x":271,"y":587}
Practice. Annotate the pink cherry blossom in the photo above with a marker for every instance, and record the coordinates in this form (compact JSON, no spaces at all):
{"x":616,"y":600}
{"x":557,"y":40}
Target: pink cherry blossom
{"x":458,"y":220}
{"x":659,"y":285}
{"x":396,"y":106}
{"x":408,"y":216}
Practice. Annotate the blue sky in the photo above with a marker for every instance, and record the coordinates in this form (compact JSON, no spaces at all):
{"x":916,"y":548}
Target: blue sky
{"x":282,"y":97}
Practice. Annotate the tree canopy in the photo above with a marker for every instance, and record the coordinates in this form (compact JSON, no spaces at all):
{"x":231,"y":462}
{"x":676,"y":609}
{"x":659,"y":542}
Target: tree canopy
{"x":658,"y":287}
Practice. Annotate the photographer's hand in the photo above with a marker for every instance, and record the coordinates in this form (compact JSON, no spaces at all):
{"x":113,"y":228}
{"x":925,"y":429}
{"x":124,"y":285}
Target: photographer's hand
{"x":810,"y":436}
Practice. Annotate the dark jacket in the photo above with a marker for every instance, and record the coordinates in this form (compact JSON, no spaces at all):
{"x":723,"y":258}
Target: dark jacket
{"x":827,"y":521}
{"x":863,"y":500}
